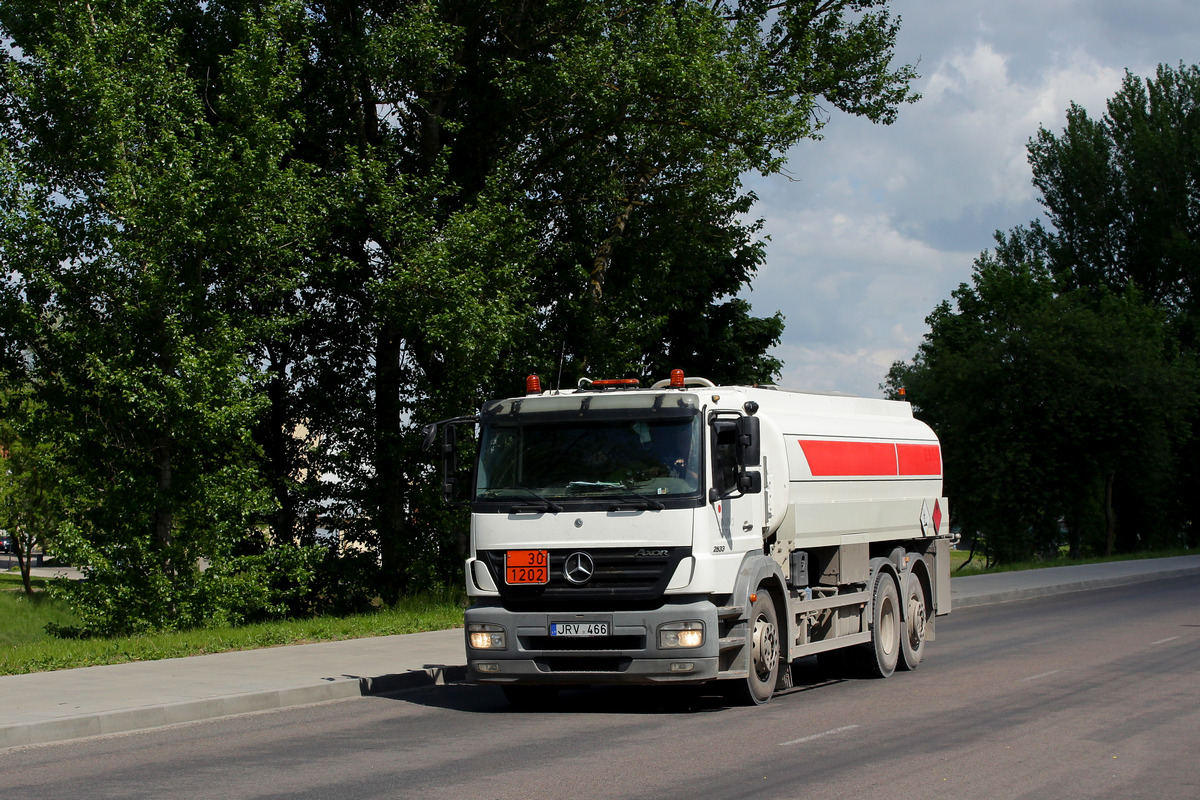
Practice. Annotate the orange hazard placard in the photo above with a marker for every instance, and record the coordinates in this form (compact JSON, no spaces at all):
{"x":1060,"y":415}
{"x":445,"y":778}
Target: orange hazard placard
{"x":527,"y":566}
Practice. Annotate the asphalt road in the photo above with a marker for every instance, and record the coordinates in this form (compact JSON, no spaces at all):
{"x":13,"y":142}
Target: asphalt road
{"x":1087,"y":695}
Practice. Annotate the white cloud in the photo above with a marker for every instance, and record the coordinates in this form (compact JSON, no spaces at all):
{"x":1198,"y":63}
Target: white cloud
{"x":981,"y":117}
{"x":962,"y":147}
{"x":881,"y":223}
{"x":855,"y":292}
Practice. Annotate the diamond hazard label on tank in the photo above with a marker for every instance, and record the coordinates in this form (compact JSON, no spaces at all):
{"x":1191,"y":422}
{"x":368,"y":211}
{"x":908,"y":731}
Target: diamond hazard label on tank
{"x":927,"y":526}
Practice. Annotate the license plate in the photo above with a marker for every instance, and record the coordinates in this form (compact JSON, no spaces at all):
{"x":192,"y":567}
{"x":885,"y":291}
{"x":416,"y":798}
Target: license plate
{"x":526,"y":567}
{"x":579,"y":629}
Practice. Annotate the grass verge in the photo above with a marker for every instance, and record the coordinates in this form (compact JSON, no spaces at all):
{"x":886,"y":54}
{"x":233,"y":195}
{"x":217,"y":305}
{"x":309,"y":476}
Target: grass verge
{"x":26,"y":650}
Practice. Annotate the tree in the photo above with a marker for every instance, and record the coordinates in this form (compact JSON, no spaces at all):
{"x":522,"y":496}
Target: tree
{"x":549,"y":187}
{"x":256,"y":244}
{"x":1060,"y":413}
{"x":137,"y":215}
{"x":1064,"y":382}
{"x":1120,"y":191}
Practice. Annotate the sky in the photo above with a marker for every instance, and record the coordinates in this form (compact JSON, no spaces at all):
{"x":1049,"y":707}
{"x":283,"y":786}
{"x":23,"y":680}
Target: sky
{"x":875,"y":225}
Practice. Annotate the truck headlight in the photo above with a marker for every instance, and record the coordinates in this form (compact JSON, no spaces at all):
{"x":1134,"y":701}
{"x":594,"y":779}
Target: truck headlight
{"x":485,"y":636}
{"x":681,"y":634}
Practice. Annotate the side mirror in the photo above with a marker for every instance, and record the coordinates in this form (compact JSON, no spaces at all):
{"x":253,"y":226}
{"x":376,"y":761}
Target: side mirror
{"x":736,"y":446}
{"x":449,"y":453}
{"x":430,"y":433}
{"x":749,"y":442}
{"x":750,"y":482}
{"x":449,"y":461}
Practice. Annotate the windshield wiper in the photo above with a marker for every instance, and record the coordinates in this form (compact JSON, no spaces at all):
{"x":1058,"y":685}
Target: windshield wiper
{"x":540,"y":506}
{"x":631,"y":499}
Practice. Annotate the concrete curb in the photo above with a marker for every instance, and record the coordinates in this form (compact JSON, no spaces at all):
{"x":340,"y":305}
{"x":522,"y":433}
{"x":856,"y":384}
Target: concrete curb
{"x":161,"y":715}
{"x":1028,"y":592}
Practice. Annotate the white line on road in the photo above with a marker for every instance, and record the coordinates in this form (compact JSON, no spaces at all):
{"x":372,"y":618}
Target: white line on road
{"x":804,"y":739}
{"x":1164,"y":641}
{"x":1040,"y":675}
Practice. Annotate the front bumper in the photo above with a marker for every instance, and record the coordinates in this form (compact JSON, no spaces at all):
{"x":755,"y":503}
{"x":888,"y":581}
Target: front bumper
{"x":630,"y":654}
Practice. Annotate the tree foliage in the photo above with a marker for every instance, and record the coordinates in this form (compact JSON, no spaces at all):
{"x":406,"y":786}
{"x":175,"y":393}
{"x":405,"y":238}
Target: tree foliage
{"x":135,"y":225}
{"x":1063,"y":380}
{"x":1059,"y":412}
{"x":251,"y":245}
{"x":1121,"y":191}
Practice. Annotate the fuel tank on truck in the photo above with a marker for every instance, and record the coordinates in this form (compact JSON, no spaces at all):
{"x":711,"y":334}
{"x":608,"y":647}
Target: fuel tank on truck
{"x":837,"y":466}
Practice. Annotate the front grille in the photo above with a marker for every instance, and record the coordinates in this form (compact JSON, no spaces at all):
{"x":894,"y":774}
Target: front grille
{"x":624,"y":577}
{"x":584,"y":664}
{"x":584,"y":643}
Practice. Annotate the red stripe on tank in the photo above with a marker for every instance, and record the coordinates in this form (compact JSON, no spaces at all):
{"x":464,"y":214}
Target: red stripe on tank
{"x":832,"y":459}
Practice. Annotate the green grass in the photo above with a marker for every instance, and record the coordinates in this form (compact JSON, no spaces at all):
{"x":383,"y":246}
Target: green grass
{"x":23,"y":618}
{"x":959,"y":557}
{"x":26,"y":647}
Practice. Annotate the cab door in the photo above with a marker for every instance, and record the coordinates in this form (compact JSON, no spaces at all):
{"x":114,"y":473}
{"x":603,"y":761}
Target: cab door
{"x":736,"y":493}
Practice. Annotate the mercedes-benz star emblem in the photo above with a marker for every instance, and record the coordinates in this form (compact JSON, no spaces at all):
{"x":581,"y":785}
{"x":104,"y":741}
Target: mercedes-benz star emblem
{"x":578,"y":568}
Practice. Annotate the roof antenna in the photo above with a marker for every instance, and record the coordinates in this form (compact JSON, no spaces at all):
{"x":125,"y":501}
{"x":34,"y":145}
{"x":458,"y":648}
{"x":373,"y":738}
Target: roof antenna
{"x":561,"y":357}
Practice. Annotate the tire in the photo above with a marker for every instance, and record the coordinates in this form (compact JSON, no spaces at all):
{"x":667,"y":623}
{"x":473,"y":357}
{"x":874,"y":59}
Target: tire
{"x":530,"y":698}
{"x":764,"y":653}
{"x":916,"y":613}
{"x":879,"y":657}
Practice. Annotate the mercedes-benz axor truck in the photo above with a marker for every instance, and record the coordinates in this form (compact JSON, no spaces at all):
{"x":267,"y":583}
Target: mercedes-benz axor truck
{"x":689,"y":532}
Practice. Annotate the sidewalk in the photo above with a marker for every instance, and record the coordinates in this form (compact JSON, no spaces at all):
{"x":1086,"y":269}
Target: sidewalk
{"x":1004,"y":587}
{"x":70,"y":704}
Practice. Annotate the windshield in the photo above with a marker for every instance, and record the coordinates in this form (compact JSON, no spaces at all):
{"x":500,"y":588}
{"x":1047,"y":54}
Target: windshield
{"x":630,"y":458}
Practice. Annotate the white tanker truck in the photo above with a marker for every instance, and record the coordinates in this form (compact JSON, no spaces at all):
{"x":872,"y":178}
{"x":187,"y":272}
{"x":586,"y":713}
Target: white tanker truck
{"x":690,"y":532}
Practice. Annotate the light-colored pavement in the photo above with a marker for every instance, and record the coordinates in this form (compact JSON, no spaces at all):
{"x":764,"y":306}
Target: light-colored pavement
{"x":70,"y":573}
{"x":69,"y":704}
{"x":1003,"y":587}
{"x":47,"y":569}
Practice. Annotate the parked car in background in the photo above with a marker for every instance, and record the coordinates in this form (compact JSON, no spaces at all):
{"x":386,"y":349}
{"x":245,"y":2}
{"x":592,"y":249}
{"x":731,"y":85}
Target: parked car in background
{"x":6,"y":543}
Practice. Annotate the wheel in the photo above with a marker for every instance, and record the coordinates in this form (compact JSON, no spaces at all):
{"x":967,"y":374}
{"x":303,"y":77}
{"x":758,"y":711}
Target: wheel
{"x":759,"y":685}
{"x":530,"y":698}
{"x":879,"y":657}
{"x":912,"y":642}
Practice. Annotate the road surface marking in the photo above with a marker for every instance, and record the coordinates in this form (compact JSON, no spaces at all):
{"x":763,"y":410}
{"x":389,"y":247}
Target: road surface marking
{"x":804,"y":739}
{"x":1164,"y":641}
{"x":1040,"y":675}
